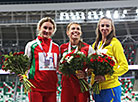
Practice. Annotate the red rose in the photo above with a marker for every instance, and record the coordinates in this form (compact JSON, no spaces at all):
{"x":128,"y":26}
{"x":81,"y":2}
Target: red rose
{"x":19,"y":53}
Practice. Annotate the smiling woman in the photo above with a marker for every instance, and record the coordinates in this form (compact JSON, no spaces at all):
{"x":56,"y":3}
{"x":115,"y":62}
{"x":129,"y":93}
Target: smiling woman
{"x":44,"y":54}
{"x":46,"y":30}
{"x":107,"y":42}
{"x":74,"y":33}
{"x":105,"y":28}
{"x":71,"y":87}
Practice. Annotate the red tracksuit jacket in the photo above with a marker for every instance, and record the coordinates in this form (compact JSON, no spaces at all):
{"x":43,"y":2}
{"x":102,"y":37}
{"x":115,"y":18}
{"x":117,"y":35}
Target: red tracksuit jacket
{"x":42,"y":77}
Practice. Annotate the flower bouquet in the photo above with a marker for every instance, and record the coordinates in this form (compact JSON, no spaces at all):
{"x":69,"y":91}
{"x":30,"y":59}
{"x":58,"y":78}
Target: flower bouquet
{"x":18,"y":63}
{"x":71,"y":63}
{"x":100,"y":64}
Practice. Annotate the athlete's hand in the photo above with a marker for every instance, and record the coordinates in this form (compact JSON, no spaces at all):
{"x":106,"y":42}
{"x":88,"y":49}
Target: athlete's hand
{"x":99,"y":78}
{"x":20,"y":77}
{"x":80,"y":74}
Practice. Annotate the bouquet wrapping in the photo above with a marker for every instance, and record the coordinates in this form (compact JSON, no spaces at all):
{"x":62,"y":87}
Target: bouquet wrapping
{"x":71,"y":63}
{"x":100,"y":64}
{"x":18,"y":63}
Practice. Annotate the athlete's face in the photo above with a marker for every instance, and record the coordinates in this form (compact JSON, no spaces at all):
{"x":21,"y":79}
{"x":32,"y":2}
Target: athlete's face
{"x":46,"y":29}
{"x":105,"y":27}
{"x":74,"y":32}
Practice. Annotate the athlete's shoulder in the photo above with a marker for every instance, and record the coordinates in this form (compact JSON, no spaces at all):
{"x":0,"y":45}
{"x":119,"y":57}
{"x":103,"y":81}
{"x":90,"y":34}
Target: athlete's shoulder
{"x":85,"y":44}
{"x":30,"y":43}
{"x":55,"y":44}
{"x":65,"y":45}
{"x":115,"y":41}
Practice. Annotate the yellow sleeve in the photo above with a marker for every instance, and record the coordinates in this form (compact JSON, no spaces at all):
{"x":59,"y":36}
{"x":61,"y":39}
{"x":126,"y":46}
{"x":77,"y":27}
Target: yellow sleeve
{"x":121,"y":66}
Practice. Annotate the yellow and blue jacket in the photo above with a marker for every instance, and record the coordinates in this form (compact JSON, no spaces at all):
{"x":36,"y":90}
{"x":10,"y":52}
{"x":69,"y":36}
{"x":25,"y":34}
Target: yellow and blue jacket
{"x":115,"y":50}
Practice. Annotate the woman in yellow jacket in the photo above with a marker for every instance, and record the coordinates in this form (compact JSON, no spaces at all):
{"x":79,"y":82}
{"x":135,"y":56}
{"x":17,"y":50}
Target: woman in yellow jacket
{"x":107,"y":42}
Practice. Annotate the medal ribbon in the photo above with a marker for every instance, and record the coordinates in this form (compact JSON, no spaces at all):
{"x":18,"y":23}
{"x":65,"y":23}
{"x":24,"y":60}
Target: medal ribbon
{"x":69,"y":48}
{"x":50,"y":48}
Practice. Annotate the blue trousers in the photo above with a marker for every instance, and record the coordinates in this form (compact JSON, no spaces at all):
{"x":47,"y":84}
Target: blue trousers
{"x":109,"y":95}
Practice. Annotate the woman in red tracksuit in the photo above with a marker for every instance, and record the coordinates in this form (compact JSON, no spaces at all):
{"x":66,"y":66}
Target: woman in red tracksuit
{"x":44,"y":54}
{"x":71,"y":91}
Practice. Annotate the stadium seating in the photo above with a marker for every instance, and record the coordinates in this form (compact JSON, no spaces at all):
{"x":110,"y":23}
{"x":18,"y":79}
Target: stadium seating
{"x":130,"y":52}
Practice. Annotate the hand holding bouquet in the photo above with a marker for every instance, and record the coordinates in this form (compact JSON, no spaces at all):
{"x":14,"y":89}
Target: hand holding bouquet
{"x":72,"y":64}
{"x":19,"y":64}
{"x":100,"y":64}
